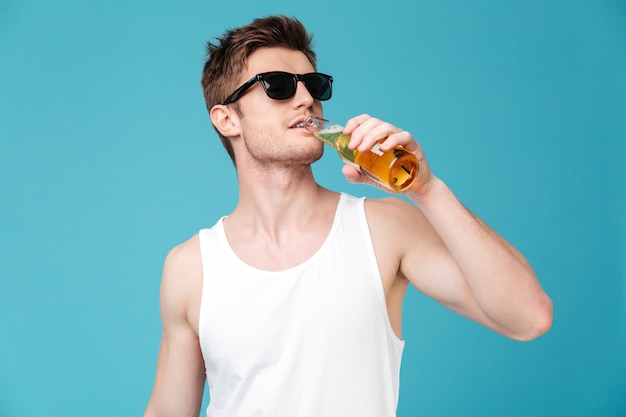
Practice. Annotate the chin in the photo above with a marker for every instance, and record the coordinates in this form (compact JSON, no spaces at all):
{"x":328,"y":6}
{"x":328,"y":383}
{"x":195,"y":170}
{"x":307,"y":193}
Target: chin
{"x":313,"y":159}
{"x":309,"y":156}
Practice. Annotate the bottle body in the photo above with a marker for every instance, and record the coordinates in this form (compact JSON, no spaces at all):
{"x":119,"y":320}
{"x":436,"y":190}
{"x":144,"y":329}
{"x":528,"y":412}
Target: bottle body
{"x":395,"y":169}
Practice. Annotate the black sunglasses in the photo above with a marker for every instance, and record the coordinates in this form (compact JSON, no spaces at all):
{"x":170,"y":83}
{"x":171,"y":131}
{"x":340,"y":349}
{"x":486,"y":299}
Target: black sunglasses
{"x":279,"y":85}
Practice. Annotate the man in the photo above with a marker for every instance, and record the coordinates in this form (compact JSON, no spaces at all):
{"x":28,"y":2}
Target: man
{"x":291,"y":305}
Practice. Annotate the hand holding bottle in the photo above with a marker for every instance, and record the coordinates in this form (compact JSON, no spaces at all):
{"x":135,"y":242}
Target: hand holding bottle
{"x":394,"y":167}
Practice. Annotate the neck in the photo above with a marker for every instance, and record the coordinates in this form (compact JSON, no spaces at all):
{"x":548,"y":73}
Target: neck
{"x":277,"y":197}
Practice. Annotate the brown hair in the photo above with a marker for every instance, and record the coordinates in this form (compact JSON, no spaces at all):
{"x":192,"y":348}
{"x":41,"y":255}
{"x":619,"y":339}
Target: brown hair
{"x":227,"y":58}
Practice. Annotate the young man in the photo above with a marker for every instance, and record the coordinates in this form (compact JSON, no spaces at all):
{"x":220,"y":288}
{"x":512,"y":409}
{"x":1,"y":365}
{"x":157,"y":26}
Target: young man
{"x":291,"y":306}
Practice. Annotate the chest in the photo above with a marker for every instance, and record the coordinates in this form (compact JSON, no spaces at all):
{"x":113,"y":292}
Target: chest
{"x":279,"y":253}
{"x":247,"y":321}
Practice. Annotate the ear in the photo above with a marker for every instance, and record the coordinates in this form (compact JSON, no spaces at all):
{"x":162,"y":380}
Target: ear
{"x":225,"y":120}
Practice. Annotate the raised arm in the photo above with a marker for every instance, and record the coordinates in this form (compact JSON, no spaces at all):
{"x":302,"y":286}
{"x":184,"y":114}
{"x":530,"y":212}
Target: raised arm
{"x":180,"y":374}
{"x":487,"y":279}
{"x":449,"y":253}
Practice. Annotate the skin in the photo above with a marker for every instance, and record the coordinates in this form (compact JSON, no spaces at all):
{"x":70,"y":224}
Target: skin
{"x":283,"y":216}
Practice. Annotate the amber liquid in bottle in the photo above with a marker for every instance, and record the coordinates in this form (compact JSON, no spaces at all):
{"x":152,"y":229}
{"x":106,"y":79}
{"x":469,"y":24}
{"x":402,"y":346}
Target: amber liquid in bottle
{"x":395,"y":169}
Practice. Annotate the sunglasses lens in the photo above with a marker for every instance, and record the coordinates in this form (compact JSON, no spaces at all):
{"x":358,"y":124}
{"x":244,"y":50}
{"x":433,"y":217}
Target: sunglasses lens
{"x":282,"y":85}
{"x":279,"y":86}
{"x":319,"y":86}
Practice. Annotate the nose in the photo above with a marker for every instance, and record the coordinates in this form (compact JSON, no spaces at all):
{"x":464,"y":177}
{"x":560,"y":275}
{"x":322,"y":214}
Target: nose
{"x":302,"y":98}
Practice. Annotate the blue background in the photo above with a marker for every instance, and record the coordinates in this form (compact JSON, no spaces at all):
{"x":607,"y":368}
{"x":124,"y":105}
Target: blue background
{"x":108,"y":159}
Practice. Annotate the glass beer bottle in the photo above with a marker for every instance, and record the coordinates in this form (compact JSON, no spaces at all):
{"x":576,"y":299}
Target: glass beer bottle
{"x":395,"y":169}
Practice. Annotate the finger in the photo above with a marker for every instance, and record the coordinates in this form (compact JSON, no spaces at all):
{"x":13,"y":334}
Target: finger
{"x":400,"y":138}
{"x":365,"y":135}
{"x":355,"y":176}
{"x":354,"y":123}
{"x":375,"y":132}
{"x":352,"y":174}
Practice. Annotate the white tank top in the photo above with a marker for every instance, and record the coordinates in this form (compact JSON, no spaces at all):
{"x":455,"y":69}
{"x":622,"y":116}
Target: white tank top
{"x":311,"y":341}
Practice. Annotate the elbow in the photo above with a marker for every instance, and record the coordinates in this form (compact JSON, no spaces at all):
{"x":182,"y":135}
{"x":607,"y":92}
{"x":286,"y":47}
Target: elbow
{"x":539,"y":323}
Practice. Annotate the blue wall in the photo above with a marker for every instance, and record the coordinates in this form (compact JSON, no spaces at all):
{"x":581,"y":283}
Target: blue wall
{"x":108,"y":159}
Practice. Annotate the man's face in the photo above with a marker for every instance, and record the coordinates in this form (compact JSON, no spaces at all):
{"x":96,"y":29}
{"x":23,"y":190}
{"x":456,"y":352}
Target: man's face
{"x":267,"y":125}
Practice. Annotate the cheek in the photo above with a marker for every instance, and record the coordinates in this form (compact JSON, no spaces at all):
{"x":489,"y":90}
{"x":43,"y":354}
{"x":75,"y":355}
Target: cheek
{"x":260,"y":134}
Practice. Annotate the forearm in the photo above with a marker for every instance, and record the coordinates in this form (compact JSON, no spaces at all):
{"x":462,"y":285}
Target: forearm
{"x":500,"y":279}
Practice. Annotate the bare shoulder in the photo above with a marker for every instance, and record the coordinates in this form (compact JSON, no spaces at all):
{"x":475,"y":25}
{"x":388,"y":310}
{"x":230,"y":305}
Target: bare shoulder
{"x":399,"y":230}
{"x":185,"y":257}
{"x":393,"y":214}
{"x":181,"y":282}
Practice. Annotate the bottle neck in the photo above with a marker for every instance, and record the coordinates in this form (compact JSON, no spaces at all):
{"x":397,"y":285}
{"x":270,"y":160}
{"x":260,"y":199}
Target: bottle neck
{"x":330,"y":138}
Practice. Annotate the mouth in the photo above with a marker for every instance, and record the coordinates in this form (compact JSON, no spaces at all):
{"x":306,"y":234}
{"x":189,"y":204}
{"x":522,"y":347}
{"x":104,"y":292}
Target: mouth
{"x":304,"y":122}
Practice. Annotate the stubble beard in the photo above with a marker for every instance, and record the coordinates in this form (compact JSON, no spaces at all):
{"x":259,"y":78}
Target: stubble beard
{"x":268,"y":147}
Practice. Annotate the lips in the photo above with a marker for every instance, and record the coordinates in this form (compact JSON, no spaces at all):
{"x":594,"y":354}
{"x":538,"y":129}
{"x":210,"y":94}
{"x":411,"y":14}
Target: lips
{"x":300,"y":122}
